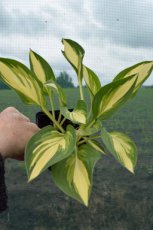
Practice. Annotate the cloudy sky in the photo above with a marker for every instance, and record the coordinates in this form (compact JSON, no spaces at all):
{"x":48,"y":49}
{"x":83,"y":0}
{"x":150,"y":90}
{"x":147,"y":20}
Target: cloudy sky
{"x":114,"y":34}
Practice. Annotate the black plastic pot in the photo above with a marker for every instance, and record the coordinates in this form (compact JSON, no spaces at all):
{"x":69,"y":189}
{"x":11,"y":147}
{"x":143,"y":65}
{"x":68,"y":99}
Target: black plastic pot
{"x":42,"y":120}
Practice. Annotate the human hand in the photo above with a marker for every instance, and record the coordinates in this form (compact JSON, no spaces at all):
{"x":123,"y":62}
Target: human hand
{"x":15,"y":132}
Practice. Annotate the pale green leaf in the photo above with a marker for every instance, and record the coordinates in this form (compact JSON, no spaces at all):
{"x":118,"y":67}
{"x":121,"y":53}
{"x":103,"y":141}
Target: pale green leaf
{"x":143,"y":71}
{"x":74,"y":174}
{"x":78,"y":115}
{"x":57,"y":88}
{"x":46,"y":148}
{"x":92,"y":80}
{"x":110,"y":97}
{"x":21,"y":79}
{"x":121,"y":147}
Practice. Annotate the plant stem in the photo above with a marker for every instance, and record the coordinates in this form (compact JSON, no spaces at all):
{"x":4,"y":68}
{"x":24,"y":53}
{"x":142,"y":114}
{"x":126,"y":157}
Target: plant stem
{"x":94,"y":137}
{"x":81,"y":91}
{"x":59,"y":117}
{"x":80,"y":79}
{"x":51,"y":102}
{"x":90,"y":111}
{"x":64,"y":119}
{"x":90,"y":123}
{"x":81,"y":142}
{"x":88,"y":138}
{"x":53,"y":119}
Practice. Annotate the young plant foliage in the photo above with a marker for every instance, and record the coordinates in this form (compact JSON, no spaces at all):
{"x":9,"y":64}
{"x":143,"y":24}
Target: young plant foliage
{"x":143,"y":70}
{"x":74,"y":174}
{"x":92,"y":80}
{"x":121,"y":147}
{"x":48,"y":147}
{"x":22,"y":80}
{"x":74,"y":53}
{"x":112,"y":96}
{"x":54,"y":86}
{"x":78,"y":115}
{"x":73,"y":150}
{"x":41,"y":68}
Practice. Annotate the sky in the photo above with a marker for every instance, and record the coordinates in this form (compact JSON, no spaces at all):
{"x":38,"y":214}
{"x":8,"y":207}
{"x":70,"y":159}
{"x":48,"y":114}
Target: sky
{"x":115,"y":34}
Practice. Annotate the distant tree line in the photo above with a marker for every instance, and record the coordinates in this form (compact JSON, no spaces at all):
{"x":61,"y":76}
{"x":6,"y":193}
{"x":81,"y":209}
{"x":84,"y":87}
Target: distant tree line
{"x":64,"y":80}
{"x":147,"y":86}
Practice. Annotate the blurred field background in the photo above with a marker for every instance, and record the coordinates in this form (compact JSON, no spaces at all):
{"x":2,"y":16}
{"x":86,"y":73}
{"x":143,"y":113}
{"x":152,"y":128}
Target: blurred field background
{"x":119,"y":201}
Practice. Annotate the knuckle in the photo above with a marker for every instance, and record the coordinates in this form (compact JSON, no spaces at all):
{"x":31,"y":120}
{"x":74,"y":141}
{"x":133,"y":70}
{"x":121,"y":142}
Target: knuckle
{"x":11,"y":108}
{"x":26,"y":118}
{"x":7,"y":112}
{"x":34,"y":127}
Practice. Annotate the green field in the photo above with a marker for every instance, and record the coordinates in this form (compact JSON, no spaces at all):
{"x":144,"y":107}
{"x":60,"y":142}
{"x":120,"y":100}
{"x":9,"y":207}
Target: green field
{"x":119,"y":201}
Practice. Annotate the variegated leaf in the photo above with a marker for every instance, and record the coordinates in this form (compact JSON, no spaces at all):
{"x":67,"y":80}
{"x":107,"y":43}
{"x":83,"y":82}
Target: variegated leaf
{"x":74,"y":174}
{"x":56,"y":87}
{"x":46,"y":148}
{"x":121,"y":147}
{"x":78,"y":115}
{"x":110,"y":97}
{"x":91,"y":79}
{"x":74,"y":53}
{"x":40,"y":67}
{"x":143,"y":70}
{"x":22,"y":80}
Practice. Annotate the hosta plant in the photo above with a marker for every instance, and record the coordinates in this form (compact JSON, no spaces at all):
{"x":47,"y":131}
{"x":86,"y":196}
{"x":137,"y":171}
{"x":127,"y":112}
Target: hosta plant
{"x":73,"y":152}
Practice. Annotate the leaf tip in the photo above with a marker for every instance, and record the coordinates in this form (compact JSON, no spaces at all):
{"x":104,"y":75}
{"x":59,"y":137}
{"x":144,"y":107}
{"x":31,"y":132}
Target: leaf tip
{"x":31,"y":178}
{"x":131,"y":170}
{"x":31,"y":51}
{"x":86,"y":203}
